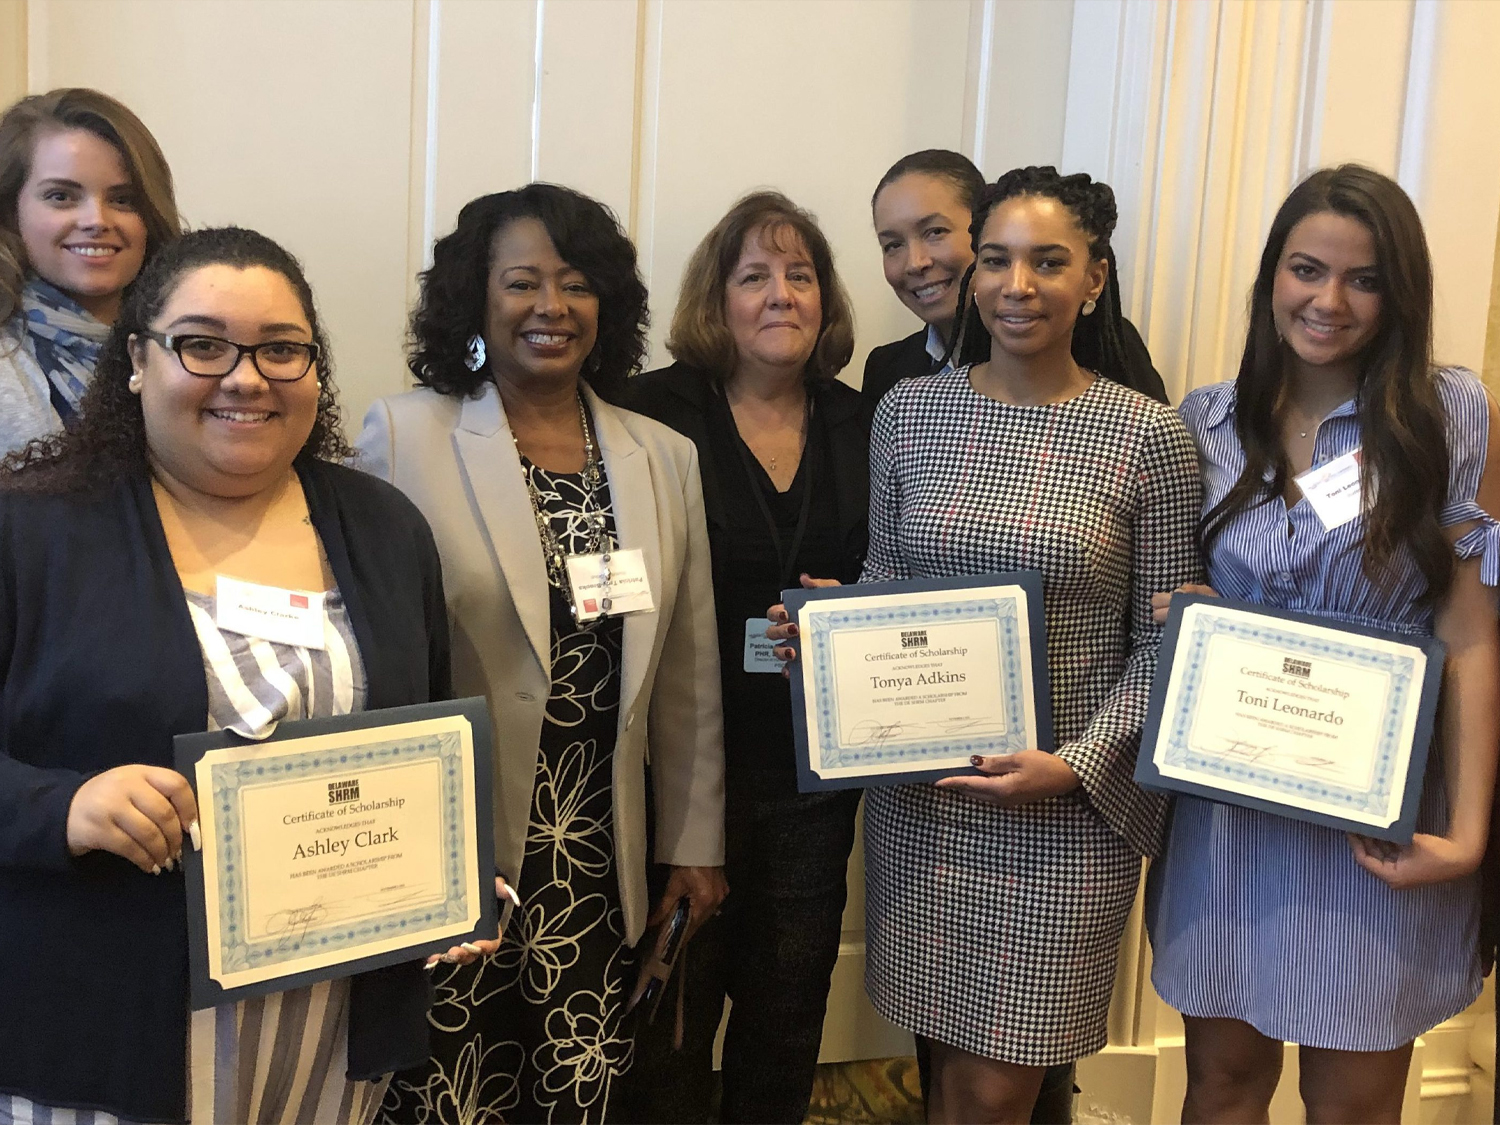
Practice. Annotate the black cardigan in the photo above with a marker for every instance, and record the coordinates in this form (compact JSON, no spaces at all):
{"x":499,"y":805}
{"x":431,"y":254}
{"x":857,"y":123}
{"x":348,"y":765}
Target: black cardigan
{"x":890,"y":363}
{"x":99,"y":667}
{"x":678,"y":396}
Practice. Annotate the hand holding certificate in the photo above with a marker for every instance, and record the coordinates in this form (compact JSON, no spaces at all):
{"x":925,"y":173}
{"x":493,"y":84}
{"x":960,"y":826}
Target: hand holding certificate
{"x":1292,"y":714}
{"x":907,"y":681}
{"x":338,"y":846}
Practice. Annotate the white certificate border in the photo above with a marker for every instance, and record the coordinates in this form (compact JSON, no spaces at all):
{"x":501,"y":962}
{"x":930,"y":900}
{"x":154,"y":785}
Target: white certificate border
{"x":234,"y":962}
{"x":1006,"y":605}
{"x":1381,"y":804}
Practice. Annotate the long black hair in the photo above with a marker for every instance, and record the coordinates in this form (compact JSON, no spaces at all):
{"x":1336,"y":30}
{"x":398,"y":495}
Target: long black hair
{"x":110,"y":437}
{"x":455,"y":290}
{"x":1401,"y":418}
{"x":1099,"y":341}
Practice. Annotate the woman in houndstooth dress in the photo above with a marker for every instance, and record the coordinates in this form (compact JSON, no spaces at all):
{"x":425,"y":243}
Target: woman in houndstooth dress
{"x":996,"y":903}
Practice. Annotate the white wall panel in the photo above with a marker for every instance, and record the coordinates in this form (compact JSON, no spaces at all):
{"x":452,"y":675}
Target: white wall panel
{"x":480,"y":97}
{"x":274,"y":117}
{"x":816,"y":100}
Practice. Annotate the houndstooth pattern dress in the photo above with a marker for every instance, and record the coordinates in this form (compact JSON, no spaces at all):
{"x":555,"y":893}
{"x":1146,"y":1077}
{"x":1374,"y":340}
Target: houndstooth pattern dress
{"x":990,"y":929}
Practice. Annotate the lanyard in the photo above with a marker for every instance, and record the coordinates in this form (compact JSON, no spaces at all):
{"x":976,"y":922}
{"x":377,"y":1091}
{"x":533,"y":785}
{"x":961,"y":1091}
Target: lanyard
{"x":786,"y":557}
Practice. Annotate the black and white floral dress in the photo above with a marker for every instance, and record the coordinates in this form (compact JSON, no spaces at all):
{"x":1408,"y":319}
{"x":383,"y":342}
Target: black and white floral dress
{"x":532,"y":1034}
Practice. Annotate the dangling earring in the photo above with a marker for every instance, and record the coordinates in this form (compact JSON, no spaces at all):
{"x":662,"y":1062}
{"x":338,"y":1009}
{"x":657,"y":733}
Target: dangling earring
{"x":476,"y":353}
{"x":134,"y":382}
{"x":1089,"y":307}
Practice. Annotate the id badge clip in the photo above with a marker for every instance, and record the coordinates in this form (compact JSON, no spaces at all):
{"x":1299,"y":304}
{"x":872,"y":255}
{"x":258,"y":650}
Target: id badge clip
{"x":610,"y":582}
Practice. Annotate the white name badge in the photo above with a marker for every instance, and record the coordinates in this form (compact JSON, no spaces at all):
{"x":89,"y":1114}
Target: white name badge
{"x":270,"y":613}
{"x":1333,"y":490}
{"x":617,"y":586}
{"x":758,"y":654}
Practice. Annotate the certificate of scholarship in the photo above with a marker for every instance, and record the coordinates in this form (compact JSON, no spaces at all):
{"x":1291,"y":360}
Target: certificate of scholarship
{"x":905,"y":681}
{"x":337,"y":847}
{"x":1293,"y":714}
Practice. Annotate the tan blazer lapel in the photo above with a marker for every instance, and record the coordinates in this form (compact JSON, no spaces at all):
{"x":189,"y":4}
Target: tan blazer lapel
{"x":492,"y":468}
{"x":629,"y":471}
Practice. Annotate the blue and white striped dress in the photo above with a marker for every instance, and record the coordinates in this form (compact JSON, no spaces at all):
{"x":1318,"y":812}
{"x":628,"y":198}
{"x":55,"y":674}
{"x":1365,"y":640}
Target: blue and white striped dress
{"x":1269,"y":920}
{"x":278,"y":1058}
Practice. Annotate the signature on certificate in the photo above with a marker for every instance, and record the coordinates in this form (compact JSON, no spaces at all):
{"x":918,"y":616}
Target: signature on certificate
{"x":290,"y":926}
{"x":1237,"y":749}
{"x":867,"y":732}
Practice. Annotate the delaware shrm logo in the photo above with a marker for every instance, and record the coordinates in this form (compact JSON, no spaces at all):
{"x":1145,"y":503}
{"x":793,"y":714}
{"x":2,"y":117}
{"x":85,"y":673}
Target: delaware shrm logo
{"x":1299,"y":668}
{"x":341,"y":791}
{"x":914,"y":638}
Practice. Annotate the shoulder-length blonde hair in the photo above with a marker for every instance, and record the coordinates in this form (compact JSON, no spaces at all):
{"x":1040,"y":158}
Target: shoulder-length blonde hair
{"x":77,"y":108}
{"x":700,"y":337}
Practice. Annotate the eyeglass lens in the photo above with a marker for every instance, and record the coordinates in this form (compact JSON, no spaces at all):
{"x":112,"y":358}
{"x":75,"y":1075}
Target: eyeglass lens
{"x":284,"y":360}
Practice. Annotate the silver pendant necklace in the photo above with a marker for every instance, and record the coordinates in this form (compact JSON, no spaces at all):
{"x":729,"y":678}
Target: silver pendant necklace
{"x":553,"y":552}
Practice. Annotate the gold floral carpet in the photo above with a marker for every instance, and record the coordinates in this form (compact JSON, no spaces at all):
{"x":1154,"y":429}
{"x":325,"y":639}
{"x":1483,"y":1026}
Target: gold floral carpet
{"x":876,"y":1090}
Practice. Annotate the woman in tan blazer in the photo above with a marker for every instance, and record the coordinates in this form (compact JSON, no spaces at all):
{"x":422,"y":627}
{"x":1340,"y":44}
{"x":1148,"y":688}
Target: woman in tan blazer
{"x":533,"y":306}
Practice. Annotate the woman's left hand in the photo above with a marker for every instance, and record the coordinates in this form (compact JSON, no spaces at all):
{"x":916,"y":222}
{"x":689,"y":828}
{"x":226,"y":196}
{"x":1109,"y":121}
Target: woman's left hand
{"x":1016,"y":779}
{"x":704,"y":888}
{"x":471,"y":951}
{"x":1427,"y":859}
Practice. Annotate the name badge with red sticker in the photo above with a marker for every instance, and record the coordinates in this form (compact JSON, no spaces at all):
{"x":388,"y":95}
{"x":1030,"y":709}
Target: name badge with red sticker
{"x":269,"y":613}
{"x":1334,"y":489}
{"x":612,"y":582}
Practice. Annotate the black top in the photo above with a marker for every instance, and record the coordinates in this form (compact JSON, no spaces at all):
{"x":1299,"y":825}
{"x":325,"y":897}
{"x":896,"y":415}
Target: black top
{"x":99,"y":667}
{"x":890,"y":363}
{"x":832,"y":481}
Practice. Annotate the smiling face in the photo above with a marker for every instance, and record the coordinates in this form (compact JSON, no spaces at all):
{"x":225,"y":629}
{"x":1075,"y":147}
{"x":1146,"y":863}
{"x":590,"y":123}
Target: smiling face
{"x":1326,"y":298}
{"x":773,"y":305}
{"x":923,"y":227}
{"x":236,"y":435}
{"x":78,"y":220}
{"x":1033,"y":275}
{"x":542,"y":319}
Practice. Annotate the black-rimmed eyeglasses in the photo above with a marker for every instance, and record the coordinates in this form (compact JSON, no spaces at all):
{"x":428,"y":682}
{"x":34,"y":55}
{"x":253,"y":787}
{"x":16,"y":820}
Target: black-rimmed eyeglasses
{"x":213,"y":357}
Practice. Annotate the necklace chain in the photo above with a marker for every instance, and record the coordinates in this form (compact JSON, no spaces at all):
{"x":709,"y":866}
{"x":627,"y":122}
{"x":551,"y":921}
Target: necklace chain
{"x":552,"y":549}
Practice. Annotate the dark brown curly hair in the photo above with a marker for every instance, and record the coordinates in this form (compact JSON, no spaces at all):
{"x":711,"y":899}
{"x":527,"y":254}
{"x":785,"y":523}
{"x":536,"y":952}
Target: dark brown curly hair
{"x":109,"y":439}
{"x":455,"y":290}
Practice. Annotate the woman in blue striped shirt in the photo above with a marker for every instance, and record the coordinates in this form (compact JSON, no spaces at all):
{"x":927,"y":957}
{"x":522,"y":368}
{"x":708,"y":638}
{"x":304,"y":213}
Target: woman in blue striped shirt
{"x":1267,"y":929}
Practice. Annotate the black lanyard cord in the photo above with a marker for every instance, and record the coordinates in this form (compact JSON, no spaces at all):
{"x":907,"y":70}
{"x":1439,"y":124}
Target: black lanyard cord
{"x":785,"y":557}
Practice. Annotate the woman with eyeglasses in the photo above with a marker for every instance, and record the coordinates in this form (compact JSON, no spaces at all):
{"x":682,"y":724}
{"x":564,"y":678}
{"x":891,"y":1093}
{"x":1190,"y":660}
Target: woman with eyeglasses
{"x":550,"y":505}
{"x":207,"y":447}
{"x":85,"y":198}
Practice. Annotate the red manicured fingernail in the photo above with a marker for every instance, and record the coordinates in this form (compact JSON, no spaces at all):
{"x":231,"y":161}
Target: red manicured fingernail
{"x":791,"y":630}
{"x":976,"y":761}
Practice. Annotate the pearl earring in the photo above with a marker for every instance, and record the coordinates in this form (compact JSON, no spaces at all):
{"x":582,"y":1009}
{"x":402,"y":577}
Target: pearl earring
{"x":475,"y":359}
{"x":1089,"y":307}
{"x":134,"y":382}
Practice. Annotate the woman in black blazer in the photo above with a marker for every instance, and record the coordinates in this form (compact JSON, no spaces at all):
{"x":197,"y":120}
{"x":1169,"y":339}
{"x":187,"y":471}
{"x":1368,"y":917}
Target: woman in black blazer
{"x":922,"y":208}
{"x":761,"y":328}
{"x":191,"y":460}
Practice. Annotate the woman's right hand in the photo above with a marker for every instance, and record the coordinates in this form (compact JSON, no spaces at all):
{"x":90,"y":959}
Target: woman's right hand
{"x":782,"y":626}
{"x":141,"y":813}
{"x":1160,"y":603}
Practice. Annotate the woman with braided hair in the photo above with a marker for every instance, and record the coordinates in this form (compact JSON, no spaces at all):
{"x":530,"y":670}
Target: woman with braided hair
{"x":922,"y":209}
{"x":996,"y":903}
